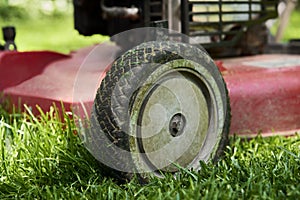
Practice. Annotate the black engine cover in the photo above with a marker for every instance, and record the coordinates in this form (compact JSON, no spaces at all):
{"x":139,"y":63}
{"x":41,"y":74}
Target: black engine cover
{"x":89,"y":19}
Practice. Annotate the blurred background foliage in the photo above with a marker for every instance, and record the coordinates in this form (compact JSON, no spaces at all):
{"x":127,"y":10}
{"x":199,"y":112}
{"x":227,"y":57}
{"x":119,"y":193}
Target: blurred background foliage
{"x":44,"y":25}
{"x":32,"y":8}
{"x":25,"y":9}
{"x":48,"y":25}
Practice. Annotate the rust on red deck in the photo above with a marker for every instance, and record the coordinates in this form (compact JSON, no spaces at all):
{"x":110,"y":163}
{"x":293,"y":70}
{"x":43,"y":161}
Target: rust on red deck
{"x":264,"y":90}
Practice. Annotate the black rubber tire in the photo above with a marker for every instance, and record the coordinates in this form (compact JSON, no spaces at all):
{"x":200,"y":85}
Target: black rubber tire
{"x":114,"y":100}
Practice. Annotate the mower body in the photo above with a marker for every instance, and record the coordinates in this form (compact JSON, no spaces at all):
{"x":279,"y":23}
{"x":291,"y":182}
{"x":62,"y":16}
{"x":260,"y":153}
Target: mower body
{"x":264,"y":90}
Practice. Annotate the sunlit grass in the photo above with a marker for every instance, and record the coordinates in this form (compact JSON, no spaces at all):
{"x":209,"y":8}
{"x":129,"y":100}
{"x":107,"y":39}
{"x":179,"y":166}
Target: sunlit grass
{"x":43,"y":158}
{"x":42,"y":154}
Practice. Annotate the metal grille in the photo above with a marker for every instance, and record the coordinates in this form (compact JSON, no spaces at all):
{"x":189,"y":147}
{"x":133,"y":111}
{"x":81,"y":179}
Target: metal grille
{"x":222,"y":22}
{"x":153,"y":11}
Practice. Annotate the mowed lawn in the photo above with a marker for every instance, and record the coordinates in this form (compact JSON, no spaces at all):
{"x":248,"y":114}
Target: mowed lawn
{"x":42,"y":158}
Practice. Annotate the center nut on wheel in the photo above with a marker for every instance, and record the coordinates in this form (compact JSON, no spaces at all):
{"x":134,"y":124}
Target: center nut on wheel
{"x":168,"y":108}
{"x":177,"y":124}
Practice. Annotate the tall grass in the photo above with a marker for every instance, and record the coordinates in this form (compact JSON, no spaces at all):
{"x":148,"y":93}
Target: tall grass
{"x":43,"y":158}
{"x":42,"y":154}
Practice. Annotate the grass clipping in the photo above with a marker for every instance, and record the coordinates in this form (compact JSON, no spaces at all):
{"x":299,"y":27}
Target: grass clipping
{"x":42,"y":157}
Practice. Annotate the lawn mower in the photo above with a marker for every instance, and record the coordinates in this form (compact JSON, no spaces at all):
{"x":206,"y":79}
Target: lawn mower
{"x":153,"y":99}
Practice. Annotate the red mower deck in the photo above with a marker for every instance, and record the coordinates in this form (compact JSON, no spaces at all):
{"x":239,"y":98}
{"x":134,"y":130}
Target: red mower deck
{"x":264,"y":90}
{"x":264,"y":94}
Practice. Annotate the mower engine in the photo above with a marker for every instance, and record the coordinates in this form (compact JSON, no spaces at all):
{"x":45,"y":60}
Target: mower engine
{"x":224,"y":28}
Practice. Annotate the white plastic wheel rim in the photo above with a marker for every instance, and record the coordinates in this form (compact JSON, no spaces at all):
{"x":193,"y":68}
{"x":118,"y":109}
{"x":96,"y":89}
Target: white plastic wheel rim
{"x":160,"y":140}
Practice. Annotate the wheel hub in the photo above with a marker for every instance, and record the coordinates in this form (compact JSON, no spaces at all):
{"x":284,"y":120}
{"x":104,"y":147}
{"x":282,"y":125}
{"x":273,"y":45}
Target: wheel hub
{"x":173,"y":122}
{"x":177,"y":124}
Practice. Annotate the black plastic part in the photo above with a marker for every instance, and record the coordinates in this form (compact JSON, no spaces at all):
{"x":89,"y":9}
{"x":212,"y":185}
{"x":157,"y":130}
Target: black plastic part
{"x":89,"y":19}
{"x":9,"y":34}
{"x":293,"y":47}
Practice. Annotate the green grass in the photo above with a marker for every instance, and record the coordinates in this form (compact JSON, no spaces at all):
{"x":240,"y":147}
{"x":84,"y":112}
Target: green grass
{"x":42,"y":158}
